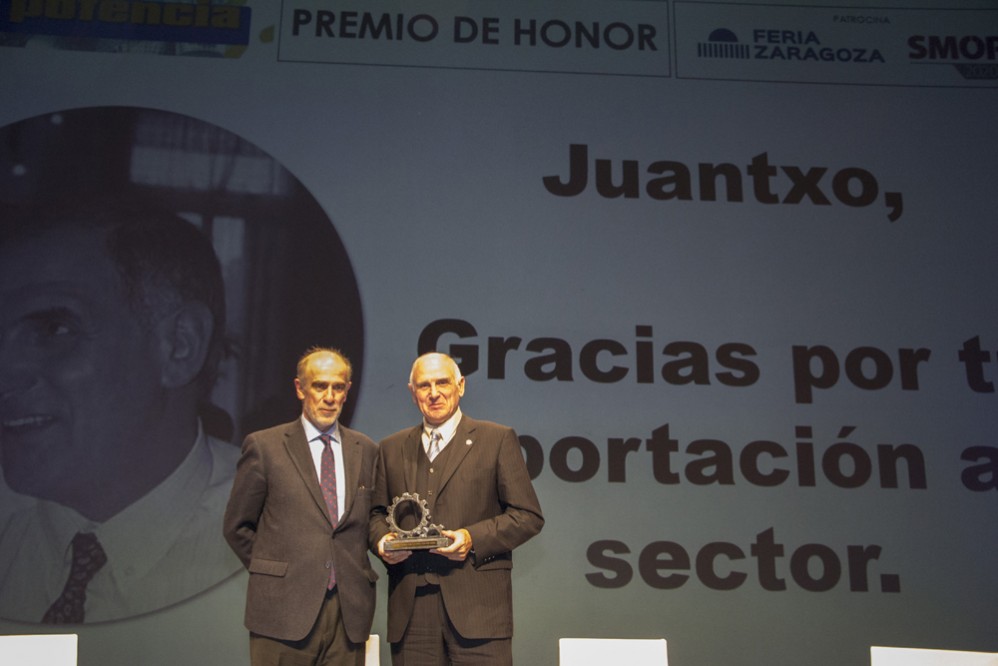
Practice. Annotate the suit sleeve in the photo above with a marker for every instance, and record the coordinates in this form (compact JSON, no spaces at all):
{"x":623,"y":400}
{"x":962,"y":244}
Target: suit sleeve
{"x":378,"y":525}
{"x":520,"y":516}
{"x":249,"y":491}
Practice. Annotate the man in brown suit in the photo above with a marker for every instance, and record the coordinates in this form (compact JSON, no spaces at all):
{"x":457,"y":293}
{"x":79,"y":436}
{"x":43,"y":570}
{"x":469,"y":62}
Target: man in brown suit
{"x":298,"y":519}
{"x":453,"y":604}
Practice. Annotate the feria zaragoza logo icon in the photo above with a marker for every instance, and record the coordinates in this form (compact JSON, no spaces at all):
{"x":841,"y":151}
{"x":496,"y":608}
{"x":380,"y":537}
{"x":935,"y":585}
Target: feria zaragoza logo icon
{"x":782,"y":45}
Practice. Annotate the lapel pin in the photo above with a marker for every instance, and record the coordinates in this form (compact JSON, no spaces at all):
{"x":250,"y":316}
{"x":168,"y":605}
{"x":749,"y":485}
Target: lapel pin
{"x":467,"y":442}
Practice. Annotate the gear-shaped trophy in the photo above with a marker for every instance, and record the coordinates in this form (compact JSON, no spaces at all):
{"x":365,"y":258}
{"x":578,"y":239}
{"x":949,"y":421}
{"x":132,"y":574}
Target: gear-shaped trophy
{"x":422,"y":537}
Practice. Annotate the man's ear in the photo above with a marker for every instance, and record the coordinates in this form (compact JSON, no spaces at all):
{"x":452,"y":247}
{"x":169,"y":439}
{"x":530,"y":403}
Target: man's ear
{"x":184,"y":338}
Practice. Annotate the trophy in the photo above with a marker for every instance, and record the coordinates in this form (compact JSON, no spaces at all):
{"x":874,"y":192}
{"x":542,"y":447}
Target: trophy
{"x":422,"y":537}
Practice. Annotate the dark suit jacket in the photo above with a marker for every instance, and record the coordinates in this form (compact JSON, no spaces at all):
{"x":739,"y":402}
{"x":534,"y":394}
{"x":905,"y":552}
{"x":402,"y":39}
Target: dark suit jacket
{"x":277,"y":523}
{"x":485,"y":489}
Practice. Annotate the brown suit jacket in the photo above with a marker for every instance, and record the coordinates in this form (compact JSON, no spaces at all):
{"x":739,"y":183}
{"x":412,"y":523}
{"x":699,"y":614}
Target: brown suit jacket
{"x":484,"y":488}
{"x":277,"y":523}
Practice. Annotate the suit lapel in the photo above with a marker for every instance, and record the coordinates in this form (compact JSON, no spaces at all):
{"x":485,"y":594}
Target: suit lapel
{"x":411,"y":451}
{"x":301,"y":456}
{"x":459,"y":448}
{"x":352,"y":461}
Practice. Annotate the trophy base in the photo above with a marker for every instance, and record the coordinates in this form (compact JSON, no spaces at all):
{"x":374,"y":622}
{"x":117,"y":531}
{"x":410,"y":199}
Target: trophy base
{"x":417,"y":543}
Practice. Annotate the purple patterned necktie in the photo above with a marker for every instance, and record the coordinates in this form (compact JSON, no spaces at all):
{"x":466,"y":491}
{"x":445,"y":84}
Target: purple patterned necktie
{"x":88,"y":558}
{"x":327,"y":480}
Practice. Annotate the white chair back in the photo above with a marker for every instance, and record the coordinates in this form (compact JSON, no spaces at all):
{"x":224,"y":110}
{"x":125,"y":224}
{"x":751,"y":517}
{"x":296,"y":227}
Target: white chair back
{"x":612,"y":652}
{"x":894,"y":656}
{"x":39,"y":650}
{"x":372,"y":651}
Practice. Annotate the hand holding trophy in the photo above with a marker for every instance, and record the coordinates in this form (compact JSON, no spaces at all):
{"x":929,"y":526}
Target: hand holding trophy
{"x":423,"y":536}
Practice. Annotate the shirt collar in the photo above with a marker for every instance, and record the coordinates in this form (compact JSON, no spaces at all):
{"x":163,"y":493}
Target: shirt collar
{"x":446,"y":429}
{"x":313,"y":433}
{"x":168,"y":506}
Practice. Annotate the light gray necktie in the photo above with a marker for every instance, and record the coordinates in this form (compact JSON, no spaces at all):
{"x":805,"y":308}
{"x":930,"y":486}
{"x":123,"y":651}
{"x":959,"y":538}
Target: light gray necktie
{"x":435,"y":438}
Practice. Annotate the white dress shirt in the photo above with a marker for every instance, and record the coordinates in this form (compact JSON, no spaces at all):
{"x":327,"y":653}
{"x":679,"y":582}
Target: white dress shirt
{"x":316,"y":446}
{"x":447,"y":429}
{"x":162,"y":549}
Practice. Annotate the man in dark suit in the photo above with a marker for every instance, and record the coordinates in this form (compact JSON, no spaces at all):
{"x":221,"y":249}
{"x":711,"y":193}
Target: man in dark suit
{"x":298,"y":519}
{"x":453,"y":604}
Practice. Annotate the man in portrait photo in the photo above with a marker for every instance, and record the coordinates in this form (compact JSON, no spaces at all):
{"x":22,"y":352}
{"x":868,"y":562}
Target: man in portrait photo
{"x":147,"y":324}
{"x":112,"y":326}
